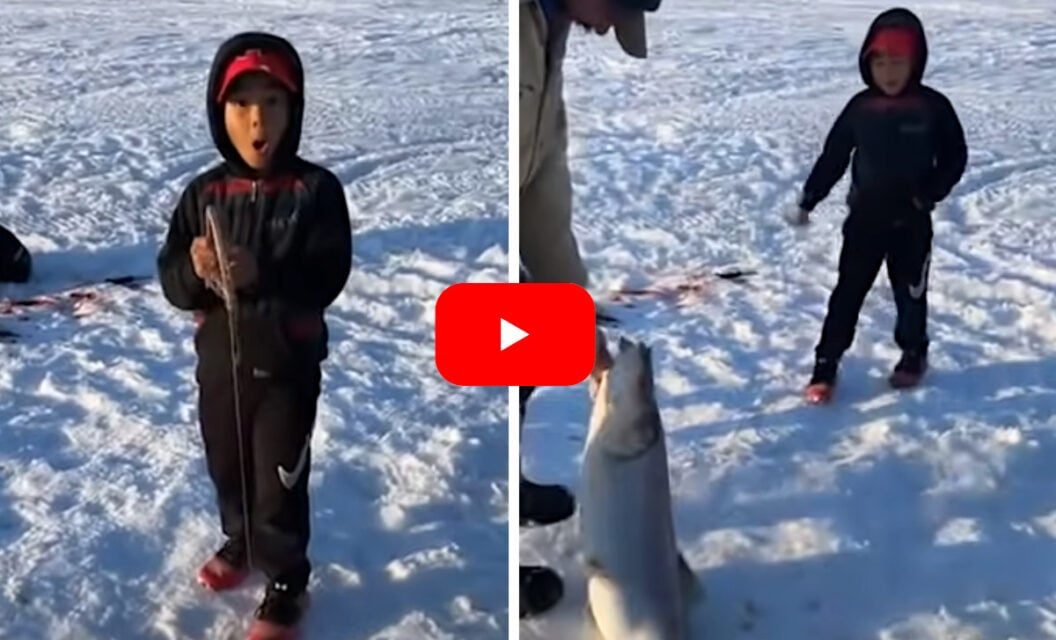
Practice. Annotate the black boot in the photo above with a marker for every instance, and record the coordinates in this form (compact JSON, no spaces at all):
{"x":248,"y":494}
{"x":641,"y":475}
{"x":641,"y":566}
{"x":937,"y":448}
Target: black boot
{"x":541,"y":590}
{"x":545,"y":504}
{"x":910,"y":369}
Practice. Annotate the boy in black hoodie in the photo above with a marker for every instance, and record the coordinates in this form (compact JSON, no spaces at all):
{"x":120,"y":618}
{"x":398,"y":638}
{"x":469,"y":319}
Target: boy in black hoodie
{"x":909,"y":153}
{"x":292,"y":251}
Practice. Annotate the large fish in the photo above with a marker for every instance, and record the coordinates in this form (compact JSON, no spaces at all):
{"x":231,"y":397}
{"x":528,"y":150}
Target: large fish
{"x":638,"y":585}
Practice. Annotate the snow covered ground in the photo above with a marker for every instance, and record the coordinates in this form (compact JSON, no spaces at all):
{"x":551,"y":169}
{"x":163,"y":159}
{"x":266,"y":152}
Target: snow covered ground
{"x":105,"y":508}
{"x":925,"y":515}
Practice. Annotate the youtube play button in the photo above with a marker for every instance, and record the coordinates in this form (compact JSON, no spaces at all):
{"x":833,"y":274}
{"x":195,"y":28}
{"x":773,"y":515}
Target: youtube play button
{"x":515,"y":334}
{"x":509,"y":334}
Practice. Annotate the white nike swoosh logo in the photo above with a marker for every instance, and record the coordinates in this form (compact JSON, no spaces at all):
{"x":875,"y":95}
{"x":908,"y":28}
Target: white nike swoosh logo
{"x":917,"y":291}
{"x":289,"y":479}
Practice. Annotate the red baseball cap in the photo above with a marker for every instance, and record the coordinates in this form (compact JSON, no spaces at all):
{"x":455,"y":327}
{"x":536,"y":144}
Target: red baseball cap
{"x":894,"y":41}
{"x":270,"y":62}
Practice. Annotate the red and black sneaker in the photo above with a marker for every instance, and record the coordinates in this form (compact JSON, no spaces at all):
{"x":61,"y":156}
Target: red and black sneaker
{"x":822,"y":381}
{"x":910,"y":370}
{"x":819,"y":393}
{"x":279,"y":614}
{"x":226,"y":570}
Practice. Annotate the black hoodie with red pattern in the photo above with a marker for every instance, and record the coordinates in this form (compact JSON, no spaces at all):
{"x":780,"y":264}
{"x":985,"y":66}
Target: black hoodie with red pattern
{"x":906,"y":147}
{"x":294,"y":220}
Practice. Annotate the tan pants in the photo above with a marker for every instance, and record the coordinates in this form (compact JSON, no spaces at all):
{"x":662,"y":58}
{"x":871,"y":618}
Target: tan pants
{"x":548,"y":248}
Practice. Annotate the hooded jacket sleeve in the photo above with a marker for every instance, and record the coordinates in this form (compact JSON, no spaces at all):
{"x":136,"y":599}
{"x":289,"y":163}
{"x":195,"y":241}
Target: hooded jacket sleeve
{"x":951,"y":155}
{"x":325,"y":256}
{"x":833,"y":161}
{"x":182,"y":287}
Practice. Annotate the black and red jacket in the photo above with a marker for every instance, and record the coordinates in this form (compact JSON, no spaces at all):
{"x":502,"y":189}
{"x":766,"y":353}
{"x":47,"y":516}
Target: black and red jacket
{"x":905,"y":147}
{"x":293,"y":219}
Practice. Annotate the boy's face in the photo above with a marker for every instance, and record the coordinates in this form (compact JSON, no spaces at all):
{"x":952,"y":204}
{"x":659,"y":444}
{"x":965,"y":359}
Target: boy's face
{"x":891,"y":73}
{"x":256,"y":114}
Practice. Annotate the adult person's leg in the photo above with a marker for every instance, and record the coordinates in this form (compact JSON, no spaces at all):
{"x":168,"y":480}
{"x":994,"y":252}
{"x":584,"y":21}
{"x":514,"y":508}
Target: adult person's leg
{"x":540,"y":587}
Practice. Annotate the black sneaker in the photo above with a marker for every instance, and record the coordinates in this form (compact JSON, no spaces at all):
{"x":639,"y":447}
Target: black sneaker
{"x":279,"y":613}
{"x":541,"y":590}
{"x":909,"y":370}
{"x":545,"y":504}
{"x":234,"y":552}
{"x":825,"y":371}
{"x":822,"y":381}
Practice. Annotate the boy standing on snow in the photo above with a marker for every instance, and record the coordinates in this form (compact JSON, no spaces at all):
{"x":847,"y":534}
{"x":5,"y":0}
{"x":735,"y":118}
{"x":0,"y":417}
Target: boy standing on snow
{"x":292,"y":251}
{"x":909,"y":153}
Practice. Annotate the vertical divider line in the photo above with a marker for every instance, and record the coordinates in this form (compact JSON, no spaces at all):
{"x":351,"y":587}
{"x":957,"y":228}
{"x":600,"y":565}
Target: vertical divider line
{"x":514,"y":252}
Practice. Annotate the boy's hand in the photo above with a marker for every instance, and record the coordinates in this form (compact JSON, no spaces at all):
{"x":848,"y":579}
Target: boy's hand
{"x":203,"y":258}
{"x":243,"y":267}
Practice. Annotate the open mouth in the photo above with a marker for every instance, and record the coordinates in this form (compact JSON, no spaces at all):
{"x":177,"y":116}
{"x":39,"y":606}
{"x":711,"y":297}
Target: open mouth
{"x":261,"y":146}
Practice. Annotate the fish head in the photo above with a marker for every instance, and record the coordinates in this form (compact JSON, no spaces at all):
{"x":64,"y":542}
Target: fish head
{"x":625,"y":413}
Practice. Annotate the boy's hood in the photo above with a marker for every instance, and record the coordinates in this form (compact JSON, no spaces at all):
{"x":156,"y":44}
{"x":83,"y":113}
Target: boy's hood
{"x":291,"y":140}
{"x":896,"y":18}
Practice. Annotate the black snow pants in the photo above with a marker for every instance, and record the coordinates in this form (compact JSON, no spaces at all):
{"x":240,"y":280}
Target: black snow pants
{"x":278,"y":415}
{"x":901,"y":237}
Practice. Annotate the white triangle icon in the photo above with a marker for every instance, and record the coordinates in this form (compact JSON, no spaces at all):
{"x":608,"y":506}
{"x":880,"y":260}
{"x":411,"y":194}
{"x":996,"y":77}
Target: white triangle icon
{"x":509,"y":334}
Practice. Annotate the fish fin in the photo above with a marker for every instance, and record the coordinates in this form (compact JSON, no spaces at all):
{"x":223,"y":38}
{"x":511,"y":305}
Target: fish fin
{"x":590,"y":625}
{"x":606,"y":604}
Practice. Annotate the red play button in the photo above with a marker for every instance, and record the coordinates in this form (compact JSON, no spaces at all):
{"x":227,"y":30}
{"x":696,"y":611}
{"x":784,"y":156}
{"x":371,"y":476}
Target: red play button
{"x":515,"y":334}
